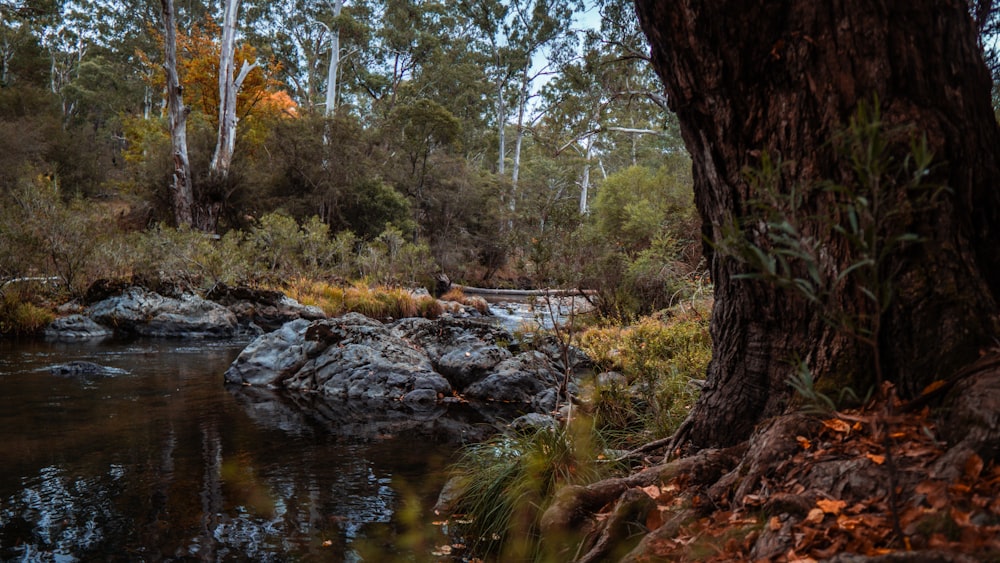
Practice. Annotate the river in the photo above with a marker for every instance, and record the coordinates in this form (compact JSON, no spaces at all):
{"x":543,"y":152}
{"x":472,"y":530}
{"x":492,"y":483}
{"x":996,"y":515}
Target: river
{"x":161,"y":462}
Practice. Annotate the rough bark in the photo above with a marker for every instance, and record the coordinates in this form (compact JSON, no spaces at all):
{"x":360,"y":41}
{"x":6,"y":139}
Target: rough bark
{"x":183,"y":194}
{"x":783,"y":78}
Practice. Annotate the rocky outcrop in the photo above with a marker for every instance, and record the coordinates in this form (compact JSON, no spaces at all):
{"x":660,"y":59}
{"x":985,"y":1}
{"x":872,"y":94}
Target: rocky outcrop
{"x":260,"y":310}
{"x":76,"y":327}
{"x":140,"y":312}
{"x":415,"y":361}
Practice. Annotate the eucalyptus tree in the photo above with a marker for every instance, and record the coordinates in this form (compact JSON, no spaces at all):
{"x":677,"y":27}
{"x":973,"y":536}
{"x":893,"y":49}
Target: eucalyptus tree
{"x":230,"y":82}
{"x":183,"y":194}
{"x":868,"y":119}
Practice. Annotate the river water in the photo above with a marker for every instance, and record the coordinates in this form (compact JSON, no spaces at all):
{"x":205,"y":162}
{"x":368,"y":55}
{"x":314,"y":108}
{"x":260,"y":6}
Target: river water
{"x":161,"y":462}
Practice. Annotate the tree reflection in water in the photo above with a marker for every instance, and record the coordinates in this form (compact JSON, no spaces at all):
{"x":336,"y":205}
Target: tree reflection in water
{"x":164,"y":463}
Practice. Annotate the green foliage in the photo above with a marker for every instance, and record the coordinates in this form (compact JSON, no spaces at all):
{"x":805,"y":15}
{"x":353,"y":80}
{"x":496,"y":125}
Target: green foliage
{"x":640,"y":248}
{"x":507,"y":482}
{"x":43,"y":233}
{"x":19,"y":316}
{"x":661,"y":360}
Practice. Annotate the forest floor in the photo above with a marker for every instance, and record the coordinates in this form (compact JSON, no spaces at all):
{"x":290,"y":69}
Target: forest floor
{"x":870,"y":483}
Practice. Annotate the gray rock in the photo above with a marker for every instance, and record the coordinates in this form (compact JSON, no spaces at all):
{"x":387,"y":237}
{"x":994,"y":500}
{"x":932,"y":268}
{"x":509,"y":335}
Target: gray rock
{"x":533,"y":421}
{"x":85,"y":369}
{"x":469,"y":363}
{"x":76,"y":327}
{"x":271,"y":358}
{"x":144,"y":313}
{"x":517,"y":380}
{"x":263,"y":310}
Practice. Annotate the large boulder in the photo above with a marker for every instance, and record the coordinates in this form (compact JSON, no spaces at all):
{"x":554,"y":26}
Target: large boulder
{"x":463,"y":350}
{"x":349,"y":357}
{"x":141,"y":312}
{"x":417,"y":361}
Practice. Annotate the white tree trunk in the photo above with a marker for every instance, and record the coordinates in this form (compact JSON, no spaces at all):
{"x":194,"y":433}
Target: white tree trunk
{"x":331,"y":77}
{"x":522,"y":103}
{"x":585,"y":181}
{"x":229,"y":86}
{"x":501,"y":127}
{"x":181,"y":188}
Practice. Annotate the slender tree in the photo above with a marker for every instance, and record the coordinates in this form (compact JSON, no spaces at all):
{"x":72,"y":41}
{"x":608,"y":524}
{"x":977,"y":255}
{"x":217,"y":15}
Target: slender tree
{"x":229,"y":87}
{"x":181,"y":188}
{"x":751,"y":79}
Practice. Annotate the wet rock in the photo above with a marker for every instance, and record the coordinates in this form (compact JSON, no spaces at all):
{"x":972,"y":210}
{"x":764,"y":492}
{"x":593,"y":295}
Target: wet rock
{"x":273,"y":357}
{"x":76,"y":327}
{"x":85,"y":369}
{"x":141,"y":312}
{"x":417,"y":363}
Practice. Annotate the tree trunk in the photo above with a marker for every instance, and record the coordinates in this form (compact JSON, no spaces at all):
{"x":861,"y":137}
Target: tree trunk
{"x":229,"y":86}
{"x":182,"y":190}
{"x":754,"y":77}
{"x":331,"y":77}
{"x":522,"y":103}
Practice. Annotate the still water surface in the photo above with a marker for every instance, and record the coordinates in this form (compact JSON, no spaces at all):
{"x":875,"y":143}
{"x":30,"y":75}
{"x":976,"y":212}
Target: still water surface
{"x":163,"y":463}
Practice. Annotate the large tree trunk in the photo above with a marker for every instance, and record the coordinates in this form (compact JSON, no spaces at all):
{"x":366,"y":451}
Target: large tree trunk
{"x":753,"y":77}
{"x":182,"y":190}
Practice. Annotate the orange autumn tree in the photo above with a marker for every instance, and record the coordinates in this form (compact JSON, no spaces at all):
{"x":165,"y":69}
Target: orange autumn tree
{"x":261,"y":98}
{"x":260,"y":101}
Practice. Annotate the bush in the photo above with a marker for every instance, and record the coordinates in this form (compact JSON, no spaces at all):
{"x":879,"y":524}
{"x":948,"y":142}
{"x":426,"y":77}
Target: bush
{"x":18,"y":315}
{"x":507,"y":483}
{"x":661,"y":359}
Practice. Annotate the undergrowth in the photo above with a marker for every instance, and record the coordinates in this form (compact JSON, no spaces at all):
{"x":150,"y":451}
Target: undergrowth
{"x":661,"y":359}
{"x":508,"y":481}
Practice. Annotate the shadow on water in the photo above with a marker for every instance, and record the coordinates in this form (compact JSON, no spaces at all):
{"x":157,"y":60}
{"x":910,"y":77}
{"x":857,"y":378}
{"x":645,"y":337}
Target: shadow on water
{"x":161,"y":462}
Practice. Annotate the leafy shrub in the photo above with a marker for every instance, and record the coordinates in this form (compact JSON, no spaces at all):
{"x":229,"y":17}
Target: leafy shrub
{"x":18,"y":315}
{"x":660,"y":359}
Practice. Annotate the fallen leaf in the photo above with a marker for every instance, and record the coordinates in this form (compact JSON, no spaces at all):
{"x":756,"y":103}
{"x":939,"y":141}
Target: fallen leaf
{"x":934,"y":386}
{"x":653,"y":491}
{"x":815,"y":516}
{"x":804,"y":442}
{"x":830,"y":506}
{"x":876,"y":458}
{"x":327,"y":543}
{"x":774,"y":524}
{"x":837,"y":425}
{"x":654,"y":519}
{"x":973,"y":466}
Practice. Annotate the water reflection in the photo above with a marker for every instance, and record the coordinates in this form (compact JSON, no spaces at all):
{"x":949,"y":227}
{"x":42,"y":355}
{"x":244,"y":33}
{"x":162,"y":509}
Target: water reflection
{"x":163,"y":463}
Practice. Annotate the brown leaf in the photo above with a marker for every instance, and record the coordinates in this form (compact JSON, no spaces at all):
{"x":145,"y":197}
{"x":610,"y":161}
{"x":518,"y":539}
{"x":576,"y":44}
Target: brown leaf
{"x":837,"y":425}
{"x":830,"y":506}
{"x":653,"y":491}
{"x":815,"y":516}
{"x":934,"y":386}
{"x":774,"y":524}
{"x":654,"y":519}
{"x":803,"y":442}
{"x":973,"y":466}
{"x":876,"y":458}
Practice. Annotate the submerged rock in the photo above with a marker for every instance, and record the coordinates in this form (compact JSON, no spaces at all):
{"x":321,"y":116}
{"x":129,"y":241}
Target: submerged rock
{"x":85,"y":369}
